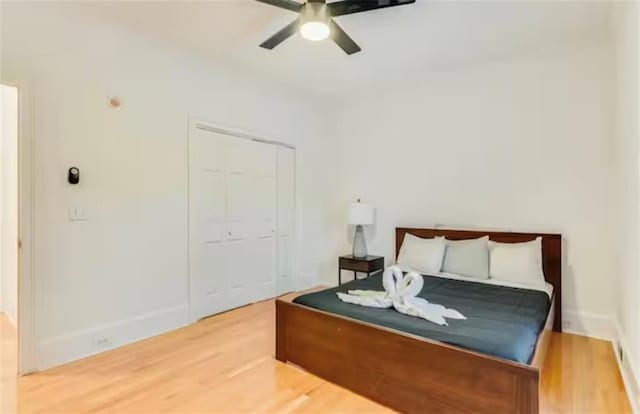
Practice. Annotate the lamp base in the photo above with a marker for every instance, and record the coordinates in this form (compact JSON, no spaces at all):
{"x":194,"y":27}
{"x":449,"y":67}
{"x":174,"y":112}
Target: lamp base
{"x":359,"y":245}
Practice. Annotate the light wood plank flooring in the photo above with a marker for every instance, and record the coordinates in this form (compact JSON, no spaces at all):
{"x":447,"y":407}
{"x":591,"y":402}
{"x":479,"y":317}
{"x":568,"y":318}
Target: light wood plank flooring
{"x":225,"y":364}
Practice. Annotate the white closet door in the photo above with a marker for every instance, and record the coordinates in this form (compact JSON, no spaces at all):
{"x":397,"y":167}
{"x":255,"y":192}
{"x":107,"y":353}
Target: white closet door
{"x":207,"y":211}
{"x":265,"y":221}
{"x":286,"y":225}
{"x":241,"y":231}
{"x":232,"y":221}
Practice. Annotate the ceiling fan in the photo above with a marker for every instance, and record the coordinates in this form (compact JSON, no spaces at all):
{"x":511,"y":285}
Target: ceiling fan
{"x":316,"y":20}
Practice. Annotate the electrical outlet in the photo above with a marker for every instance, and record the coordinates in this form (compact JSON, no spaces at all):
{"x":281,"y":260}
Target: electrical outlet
{"x":102,"y":342}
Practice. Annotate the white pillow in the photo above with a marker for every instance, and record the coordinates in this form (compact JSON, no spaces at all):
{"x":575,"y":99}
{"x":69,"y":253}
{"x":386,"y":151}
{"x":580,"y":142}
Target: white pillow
{"x":517,"y":262}
{"x":467,"y":257}
{"x":422,"y":255}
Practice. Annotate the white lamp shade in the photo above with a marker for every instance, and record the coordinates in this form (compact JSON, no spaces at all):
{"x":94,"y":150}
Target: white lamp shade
{"x":361,"y":213}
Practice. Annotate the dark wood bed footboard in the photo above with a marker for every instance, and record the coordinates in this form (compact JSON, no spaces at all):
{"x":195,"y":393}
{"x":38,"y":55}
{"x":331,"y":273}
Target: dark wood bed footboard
{"x":402,"y":371}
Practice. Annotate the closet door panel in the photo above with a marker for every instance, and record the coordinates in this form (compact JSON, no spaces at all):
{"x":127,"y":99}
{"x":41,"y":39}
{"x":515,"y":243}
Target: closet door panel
{"x":212,"y":269}
{"x":265,"y":213}
{"x":266,"y":197}
{"x":240,"y":199}
{"x":207,"y":269}
{"x":240,"y":158}
{"x":240,"y":196}
{"x":285,"y":219}
{"x":239,"y":272}
{"x":206,"y":222}
{"x":265,"y":275}
{"x":208,"y":204}
{"x":207,"y":150}
{"x":265,"y":219}
{"x":265,"y":159}
{"x":284,"y":276}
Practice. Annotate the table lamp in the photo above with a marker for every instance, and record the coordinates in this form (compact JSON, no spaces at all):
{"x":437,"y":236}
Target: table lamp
{"x":360,"y":214}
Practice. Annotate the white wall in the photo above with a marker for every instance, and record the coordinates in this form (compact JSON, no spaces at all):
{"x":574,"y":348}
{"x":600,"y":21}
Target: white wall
{"x":3,"y":132}
{"x":122,"y":274}
{"x":626,"y":206}
{"x":9,"y":202}
{"x":520,"y":144}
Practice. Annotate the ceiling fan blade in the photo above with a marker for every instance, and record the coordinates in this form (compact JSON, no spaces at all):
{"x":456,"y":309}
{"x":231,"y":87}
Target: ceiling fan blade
{"x":342,"y":39}
{"x":340,"y":8}
{"x":285,"y":33}
{"x":294,"y":6}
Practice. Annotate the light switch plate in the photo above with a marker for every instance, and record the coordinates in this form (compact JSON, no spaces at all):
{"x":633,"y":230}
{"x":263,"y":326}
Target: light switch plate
{"x":77,"y":214}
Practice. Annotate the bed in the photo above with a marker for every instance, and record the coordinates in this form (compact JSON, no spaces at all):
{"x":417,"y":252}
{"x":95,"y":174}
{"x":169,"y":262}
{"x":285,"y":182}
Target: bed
{"x":417,"y":367}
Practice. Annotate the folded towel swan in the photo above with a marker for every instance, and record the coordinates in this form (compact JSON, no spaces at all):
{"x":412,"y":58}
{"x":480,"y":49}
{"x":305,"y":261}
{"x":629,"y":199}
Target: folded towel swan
{"x":400,"y":292}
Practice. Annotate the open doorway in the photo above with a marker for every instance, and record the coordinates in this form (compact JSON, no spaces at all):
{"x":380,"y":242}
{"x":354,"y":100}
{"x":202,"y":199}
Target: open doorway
{"x":9,"y":120}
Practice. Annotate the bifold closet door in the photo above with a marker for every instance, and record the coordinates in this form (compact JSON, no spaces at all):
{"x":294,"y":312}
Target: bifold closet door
{"x":251,"y":220}
{"x":208,"y":281}
{"x":286,"y":225}
{"x":262,"y":256}
{"x":240,"y":230}
{"x":232,"y":206}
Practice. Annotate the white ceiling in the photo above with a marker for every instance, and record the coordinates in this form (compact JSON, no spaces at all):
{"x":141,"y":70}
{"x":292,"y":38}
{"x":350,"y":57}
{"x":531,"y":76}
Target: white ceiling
{"x":397,"y":42}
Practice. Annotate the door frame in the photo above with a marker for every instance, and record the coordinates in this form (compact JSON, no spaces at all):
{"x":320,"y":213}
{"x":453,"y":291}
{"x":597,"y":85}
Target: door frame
{"x":26,"y":234}
{"x":234,"y":132}
{"x":200,"y":123}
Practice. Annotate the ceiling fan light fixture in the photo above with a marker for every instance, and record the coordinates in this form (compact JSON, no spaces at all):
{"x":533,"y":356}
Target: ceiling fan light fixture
{"x":316,"y":20}
{"x":315,"y":31}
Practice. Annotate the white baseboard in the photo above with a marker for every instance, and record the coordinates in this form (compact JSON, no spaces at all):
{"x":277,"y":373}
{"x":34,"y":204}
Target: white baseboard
{"x":70,"y":347}
{"x":588,"y":324}
{"x":629,"y":377}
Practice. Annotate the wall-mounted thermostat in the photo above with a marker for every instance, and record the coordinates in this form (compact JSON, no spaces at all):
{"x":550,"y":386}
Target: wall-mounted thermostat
{"x":74,"y":175}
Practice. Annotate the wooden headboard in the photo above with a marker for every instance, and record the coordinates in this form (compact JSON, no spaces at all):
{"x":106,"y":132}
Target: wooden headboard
{"x":551,"y":254}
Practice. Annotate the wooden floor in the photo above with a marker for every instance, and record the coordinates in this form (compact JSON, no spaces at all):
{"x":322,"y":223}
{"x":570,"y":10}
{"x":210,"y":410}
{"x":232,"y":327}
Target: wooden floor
{"x":8,"y":365}
{"x":225,"y":364}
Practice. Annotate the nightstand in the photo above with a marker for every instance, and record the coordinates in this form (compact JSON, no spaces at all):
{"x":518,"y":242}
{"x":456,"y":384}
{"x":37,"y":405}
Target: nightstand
{"x":368,"y":265}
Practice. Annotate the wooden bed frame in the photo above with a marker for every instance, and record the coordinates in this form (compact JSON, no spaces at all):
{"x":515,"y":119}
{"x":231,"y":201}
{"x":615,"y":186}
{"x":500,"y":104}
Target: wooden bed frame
{"x":414,"y":374}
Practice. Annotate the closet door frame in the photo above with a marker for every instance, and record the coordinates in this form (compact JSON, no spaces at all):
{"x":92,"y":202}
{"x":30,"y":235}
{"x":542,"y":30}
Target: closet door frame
{"x":199,"y":123}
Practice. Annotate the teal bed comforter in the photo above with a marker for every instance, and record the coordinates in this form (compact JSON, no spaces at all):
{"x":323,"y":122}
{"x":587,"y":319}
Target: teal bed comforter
{"x":501,"y":321}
